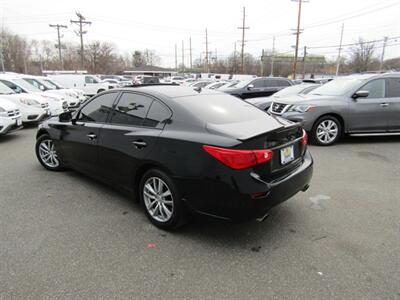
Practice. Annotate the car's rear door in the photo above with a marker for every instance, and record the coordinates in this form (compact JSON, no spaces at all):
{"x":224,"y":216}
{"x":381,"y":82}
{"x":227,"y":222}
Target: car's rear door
{"x":130,"y":134}
{"x":393,"y":100}
{"x":78,"y":140}
{"x":370,"y":114}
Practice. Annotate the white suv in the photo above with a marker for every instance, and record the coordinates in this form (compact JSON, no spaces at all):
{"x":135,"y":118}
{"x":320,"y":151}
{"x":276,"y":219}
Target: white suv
{"x":10,"y":117}
{"x":32,"y":110}
{"x":55,"y":103}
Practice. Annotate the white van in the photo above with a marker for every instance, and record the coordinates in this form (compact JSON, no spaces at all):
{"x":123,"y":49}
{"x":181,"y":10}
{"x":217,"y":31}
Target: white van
{"x":90,"y":84}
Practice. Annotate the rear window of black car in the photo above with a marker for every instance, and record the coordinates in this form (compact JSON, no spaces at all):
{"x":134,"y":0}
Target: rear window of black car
{"x":221,"y":109}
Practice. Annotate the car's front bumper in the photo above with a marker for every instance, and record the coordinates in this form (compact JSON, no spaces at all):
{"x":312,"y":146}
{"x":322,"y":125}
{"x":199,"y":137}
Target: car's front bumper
{"x":228,"y":199}
{"x":8,"y":125}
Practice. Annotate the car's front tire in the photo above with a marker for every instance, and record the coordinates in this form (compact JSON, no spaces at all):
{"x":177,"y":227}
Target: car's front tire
{"x":326,"y":131}
{"x":47,"y":154}
{"x":161,"y":200}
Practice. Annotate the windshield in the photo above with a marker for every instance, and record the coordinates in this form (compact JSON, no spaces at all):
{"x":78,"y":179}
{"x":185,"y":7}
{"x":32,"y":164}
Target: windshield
{"x":289,"y":91}
{"x":47,"y":84}
{"x":5,"y":90}
{"x":54,"y":84}
{"x":336,"y":87}
{"x":26,"y":86}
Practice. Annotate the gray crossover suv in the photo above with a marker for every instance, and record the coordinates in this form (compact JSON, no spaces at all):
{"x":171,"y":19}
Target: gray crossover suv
{"x":353,"y":104}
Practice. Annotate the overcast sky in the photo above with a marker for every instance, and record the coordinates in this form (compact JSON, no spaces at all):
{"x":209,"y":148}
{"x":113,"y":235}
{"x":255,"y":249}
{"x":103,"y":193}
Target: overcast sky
{"x":159,"y":25}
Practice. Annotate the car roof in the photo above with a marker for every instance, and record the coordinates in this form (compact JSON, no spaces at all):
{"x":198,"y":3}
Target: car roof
{"x":171,"y":91}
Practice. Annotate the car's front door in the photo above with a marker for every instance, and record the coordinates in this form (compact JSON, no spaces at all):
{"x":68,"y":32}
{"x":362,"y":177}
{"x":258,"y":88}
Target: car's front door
{"x":78,"y":139}
{"x":90,"y":85}
{"x":370,"y":114}
{"x":130,"y":135}
{"x":393,"y":100}
{"x":254,"y":89}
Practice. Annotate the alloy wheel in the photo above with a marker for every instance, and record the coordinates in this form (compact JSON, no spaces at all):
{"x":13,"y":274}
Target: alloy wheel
{"x":327,"y":131}
{"x":48,"y":154}
{"x":158,"y":199}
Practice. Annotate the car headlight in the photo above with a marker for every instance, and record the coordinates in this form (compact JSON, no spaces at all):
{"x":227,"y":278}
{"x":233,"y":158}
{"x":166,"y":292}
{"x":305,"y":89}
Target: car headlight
{"x":3,"y":112}
{"x":51,"y":98}
{"x":301,"y":108}
{"x":27,"y":101}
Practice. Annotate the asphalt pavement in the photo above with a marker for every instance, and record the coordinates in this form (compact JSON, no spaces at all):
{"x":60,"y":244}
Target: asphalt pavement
{"x":66,"y":236}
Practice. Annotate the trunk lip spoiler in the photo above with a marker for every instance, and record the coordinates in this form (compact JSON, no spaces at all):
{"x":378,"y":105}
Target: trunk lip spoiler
{"x":276,"y":130}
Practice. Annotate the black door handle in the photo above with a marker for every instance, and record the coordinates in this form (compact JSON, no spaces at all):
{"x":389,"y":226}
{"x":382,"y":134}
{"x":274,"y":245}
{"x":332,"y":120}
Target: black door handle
{"x":140,"y":144}
{"x":92,"y":136}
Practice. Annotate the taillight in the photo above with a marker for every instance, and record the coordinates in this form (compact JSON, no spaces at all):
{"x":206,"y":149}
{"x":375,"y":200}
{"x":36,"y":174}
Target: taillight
{"x":239,"y":159}
{"x":304,"y":139}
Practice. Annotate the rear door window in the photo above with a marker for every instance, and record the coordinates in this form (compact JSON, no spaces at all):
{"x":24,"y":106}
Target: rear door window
{"x":393,"y":87}
{"x":157,"y":116}
{"x":131,"y":109}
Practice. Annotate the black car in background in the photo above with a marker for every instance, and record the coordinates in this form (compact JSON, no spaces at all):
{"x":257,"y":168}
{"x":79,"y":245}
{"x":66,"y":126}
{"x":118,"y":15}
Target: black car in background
{"x":258,"y":87}
{"x":178,"y":149}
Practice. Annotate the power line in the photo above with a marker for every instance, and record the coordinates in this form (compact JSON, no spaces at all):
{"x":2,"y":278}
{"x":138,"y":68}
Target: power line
{"x":81,"y":22}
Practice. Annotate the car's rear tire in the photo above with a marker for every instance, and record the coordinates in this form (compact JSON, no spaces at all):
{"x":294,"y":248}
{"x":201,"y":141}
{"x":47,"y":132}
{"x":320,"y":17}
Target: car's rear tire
{"x":161,"y":200}
{"x":47,"y":154}
{"x":326,"y":131}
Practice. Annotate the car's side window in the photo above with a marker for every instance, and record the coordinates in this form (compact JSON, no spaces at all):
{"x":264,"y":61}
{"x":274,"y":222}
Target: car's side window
{"x":376,"y":88}
{"x":258,"y":83}
{"x":282,"y":83}
{"x":131,"y":109}
{"x":157,"y":115}
{"x":98,"y":109}
{"x":393,"y":87}
{"x":89,"y":79}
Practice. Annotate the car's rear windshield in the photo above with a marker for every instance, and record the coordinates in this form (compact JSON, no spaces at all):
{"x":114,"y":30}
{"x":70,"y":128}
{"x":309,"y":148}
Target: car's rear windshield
{"x":221,"y":109}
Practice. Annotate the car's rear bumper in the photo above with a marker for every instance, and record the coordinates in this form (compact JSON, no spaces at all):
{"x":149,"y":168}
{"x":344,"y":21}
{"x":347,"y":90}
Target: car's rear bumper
{"x":223,"y":198}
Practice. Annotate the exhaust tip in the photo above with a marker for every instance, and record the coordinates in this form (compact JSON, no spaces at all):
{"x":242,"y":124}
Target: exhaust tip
{"x":305,"y":188}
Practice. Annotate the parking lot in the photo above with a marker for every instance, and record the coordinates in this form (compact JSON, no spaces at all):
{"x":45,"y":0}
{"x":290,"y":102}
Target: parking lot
{"x":63,"y":235}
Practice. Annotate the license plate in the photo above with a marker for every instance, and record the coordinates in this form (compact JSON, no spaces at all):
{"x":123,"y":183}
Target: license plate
{"x":19,"y":122}
{"x":287,"y":155}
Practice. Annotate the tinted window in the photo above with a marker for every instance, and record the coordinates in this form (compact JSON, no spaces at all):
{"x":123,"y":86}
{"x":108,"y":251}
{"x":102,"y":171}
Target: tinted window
{"x":157,"y":116}
{"x":282,"y":83}
{"x":259,"y":83}
{"x":131,"y":109}
{"x":221,"y":109}
{"x":376,"y":88}
{"x":98,"y":109}
{"x":393,"y":87}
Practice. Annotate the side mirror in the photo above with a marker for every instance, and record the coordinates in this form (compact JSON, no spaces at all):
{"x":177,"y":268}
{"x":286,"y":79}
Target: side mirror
{"x":360,"y":94}
{"x":41,"y":87}
{"x":250,"y":86}
{"x":65,"y":117}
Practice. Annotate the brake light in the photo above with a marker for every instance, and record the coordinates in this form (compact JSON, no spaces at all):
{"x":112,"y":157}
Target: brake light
{"x":239,"y":159}
{"x":304,"y":139}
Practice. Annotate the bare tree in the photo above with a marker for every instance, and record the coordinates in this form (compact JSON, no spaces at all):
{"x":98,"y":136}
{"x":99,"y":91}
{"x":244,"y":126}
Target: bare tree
{"x":362,"y":56}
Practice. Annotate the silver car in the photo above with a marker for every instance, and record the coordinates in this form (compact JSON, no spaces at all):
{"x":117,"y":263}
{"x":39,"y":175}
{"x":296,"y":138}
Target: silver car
{"x":353,"y":104}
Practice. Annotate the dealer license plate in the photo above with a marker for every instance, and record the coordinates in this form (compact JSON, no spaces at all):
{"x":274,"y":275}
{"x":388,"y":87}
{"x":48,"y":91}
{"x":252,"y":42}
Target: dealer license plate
{"x":287,"y":155}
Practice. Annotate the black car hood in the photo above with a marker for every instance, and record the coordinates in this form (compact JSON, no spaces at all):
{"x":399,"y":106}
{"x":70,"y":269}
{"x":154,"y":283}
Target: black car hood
{"x":245,"y":130}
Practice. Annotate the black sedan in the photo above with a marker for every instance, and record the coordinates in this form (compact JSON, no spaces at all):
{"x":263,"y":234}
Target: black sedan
{"x":178,"y":149}
{"x":258,"y":87}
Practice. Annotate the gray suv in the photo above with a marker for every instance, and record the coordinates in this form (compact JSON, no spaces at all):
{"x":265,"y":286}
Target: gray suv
{"x":352,"y":104}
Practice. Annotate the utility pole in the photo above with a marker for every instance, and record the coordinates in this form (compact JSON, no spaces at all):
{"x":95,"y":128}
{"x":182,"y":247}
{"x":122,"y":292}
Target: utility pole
{"x":304,"y":61}
{"x":340,"y":51}
{"x":176,"y":57}
{"x":296,"y":52}
{"x":385,"y":39}
{"x":243,"y":28}
{"x":183,"y":57}
{"x":262,"y":62}
{"x":81,"y":22}
{"x":234,"y":60}
{"x":190,"y":52}
{"x":273,"y":57}
{"x":206,"y":62}
{"x":58,"y":26}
